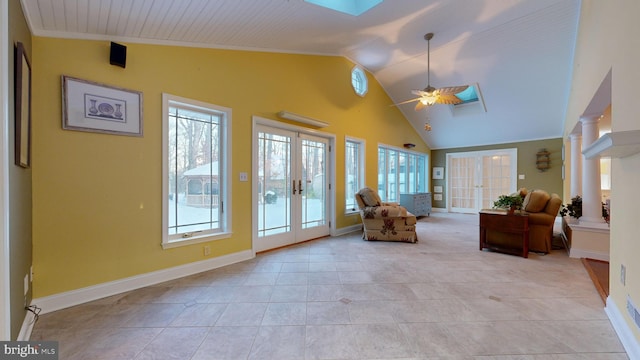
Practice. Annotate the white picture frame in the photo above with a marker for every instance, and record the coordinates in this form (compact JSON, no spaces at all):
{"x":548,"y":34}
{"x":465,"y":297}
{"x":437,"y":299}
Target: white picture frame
{"x":94,"y":107}
{"x":438,"y":173}
{"x":437,"y":189}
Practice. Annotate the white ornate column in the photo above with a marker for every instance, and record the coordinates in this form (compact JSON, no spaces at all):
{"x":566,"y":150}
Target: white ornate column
{"x":591,"y":192}
{"x":576,"y":165}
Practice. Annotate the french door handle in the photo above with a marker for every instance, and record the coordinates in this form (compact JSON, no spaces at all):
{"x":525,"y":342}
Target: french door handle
{"x":294,"y":186}
{"x":300,"y":186}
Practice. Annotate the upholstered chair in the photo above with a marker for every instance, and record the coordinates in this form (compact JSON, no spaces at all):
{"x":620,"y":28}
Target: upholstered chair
{"x":542,"y":209}
{"x":386,"y":221}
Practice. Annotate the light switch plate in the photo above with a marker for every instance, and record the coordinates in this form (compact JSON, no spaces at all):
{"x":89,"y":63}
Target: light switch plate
{"x":521,"y":177}
{"x":244,"y":176}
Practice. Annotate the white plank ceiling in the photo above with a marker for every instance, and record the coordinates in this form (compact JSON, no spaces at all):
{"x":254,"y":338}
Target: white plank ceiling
{"x":520,"y":52}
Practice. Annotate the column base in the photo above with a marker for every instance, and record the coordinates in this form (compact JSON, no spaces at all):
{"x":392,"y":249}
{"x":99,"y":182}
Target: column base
{"x":594,"y":223}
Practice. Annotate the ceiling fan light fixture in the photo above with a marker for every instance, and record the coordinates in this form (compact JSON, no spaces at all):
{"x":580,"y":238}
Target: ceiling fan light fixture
{"x":430,"y":96}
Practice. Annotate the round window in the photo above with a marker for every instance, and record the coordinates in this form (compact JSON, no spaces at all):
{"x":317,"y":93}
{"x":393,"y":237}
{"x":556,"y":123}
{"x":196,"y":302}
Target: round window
{"x":359,"y":81}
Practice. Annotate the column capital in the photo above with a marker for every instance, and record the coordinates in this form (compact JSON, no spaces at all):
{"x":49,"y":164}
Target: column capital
{"x":590,"y":118}
{"x":575,"y":136}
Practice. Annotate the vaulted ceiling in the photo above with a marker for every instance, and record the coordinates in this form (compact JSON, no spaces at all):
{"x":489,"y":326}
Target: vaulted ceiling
{"x":519,"y":52}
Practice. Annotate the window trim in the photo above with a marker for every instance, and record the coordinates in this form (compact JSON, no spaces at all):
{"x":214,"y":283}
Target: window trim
{"x":360,"y":73}
{"x":399,"y":150}
{"x":225,"y":178}
{"x":361,"y":168}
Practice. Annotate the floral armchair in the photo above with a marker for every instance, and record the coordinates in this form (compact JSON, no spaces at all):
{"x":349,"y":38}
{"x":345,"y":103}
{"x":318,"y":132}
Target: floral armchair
{"x":383,"y":220}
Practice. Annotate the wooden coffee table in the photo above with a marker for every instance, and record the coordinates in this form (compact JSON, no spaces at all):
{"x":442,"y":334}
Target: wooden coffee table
{"x":500,"y":221}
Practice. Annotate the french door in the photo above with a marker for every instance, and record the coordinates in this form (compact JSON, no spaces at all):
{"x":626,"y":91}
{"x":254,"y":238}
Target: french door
{"x":476,"y":179}
{"x":292,"y":197}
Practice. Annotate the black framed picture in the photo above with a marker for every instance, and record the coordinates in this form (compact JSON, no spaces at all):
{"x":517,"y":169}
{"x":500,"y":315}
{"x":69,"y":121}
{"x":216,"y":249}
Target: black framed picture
{"x":22,"y":107}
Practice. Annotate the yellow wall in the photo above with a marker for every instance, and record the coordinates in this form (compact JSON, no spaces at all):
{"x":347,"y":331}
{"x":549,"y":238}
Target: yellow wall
{"x":608,"y":40}
{"x":97,"y":198}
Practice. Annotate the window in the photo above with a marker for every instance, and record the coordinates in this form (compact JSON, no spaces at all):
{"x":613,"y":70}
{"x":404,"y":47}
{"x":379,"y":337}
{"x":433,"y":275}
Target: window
{"x":400,"y":172}
{"x":359,"y":81}
{"x":354,"y":171}
{"x":352,"y":7}
{"x":196,"y":186}
{"x":472,"y":101}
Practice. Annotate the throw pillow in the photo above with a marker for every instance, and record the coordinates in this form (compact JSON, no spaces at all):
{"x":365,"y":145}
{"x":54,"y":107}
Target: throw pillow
{"x":535,"y":201}
{"x":369,"y":197}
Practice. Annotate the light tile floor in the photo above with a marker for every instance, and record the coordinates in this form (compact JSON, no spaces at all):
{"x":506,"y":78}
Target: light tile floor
{"x":345,"y":298}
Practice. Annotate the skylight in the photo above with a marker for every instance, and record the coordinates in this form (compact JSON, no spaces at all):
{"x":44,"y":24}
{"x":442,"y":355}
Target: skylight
{"x":472,"y":101}
{"x":469,"y":95}
{"x":351,"y":7}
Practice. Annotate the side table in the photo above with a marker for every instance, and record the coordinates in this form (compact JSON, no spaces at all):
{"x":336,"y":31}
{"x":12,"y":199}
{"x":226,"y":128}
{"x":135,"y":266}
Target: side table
{"x":500,"y":221}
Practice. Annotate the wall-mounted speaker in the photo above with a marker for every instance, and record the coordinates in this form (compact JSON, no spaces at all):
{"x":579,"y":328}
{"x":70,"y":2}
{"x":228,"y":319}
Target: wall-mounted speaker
{"x":118,"y":55}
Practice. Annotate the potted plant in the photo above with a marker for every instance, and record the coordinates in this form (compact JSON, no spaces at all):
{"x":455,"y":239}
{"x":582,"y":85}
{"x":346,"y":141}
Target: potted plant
{"x":509,"y":202}
{"x":574,"y":209}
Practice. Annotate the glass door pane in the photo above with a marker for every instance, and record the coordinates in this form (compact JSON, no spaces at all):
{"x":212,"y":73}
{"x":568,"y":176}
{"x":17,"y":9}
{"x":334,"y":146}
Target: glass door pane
{"x":313,"y":186}
{"x":462,"y":190}
{"x":313,"y":192}
{"x":496,"y":178}
{"x":274,"y":189}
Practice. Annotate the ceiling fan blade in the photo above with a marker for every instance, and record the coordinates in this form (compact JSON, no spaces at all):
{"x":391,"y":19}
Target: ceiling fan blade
{"x":419,"y":92}
{"x":448,"y":99}
{"x":452,"y":89}
{"x":420,"y":106}
{"x":406,"y":102}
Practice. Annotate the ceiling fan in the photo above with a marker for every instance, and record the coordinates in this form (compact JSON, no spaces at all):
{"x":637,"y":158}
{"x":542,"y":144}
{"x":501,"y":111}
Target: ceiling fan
{"x":430,"y":95}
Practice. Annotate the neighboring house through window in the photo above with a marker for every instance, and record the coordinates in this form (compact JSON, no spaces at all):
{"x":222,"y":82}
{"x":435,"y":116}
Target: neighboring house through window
{"x":196,"y":186}
{"x":354,"y":171}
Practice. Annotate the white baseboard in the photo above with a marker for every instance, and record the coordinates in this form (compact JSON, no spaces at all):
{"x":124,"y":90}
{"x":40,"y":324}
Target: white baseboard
{"x":27,"y":326}
{"x":348,"y":229}
{"x":579,"y":253}
{"x":621,"y":327}
{"x":439,"y":210}
{"x":95,"y":292}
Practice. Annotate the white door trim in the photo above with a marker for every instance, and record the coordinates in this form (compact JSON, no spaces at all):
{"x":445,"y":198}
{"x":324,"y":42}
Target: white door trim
{"x":331,"y":171}
{"x":5,"y":286}
{"x":478,"y":155}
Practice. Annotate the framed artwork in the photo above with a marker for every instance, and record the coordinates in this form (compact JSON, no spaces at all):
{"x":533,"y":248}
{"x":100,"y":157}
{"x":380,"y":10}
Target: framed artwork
{"x":438,"y":173}
{"x":95,"y":107}
{"x":437,"y":197}
{"x":22,"y":107}
{"x":437,"y":189}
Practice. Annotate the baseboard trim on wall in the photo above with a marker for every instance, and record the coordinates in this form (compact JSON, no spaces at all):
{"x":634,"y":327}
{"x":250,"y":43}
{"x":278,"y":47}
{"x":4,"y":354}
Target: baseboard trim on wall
{"x":95,"y":292}
{"x":439,"y":210}
{"x":27,"y":326}
{"x":621,"y":327}
{"x":348,"y":229}
{"x":579,"y":253}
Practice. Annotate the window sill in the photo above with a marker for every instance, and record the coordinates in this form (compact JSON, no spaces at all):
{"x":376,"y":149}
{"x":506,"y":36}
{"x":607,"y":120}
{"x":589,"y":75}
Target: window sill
{"x":195,"y":240}
{"x":352,"y":212}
